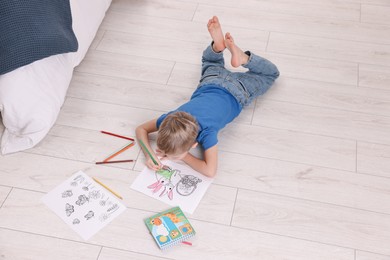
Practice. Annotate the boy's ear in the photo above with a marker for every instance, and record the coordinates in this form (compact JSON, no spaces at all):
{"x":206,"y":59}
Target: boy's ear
{"x":194,"y":145}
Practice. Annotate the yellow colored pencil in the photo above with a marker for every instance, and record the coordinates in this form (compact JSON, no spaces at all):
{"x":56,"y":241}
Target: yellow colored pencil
{"x":110,"y":190}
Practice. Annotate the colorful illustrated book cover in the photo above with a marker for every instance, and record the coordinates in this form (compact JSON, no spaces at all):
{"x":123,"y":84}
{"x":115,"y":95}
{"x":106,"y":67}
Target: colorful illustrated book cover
{"x":169,"y":227}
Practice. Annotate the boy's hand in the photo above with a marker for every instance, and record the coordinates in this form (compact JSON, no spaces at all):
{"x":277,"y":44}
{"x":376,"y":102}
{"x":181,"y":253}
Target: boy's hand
{"x":150,"y":164}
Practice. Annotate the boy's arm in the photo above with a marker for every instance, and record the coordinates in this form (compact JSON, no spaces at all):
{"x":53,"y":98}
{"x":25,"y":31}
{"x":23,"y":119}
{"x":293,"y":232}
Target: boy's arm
{"x":208,"y":166}
{"x":142,"y":132}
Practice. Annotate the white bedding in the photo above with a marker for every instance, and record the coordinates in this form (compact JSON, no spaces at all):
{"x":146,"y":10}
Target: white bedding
{"x":31,"y":96}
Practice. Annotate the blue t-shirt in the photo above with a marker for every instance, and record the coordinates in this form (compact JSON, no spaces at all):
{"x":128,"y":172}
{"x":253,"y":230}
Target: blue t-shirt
{"x":213,"y":107}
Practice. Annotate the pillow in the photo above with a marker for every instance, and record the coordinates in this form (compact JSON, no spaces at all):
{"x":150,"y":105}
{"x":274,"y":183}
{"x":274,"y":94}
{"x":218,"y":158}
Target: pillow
{"x":31,"y":98}
{"x":32,"y":30}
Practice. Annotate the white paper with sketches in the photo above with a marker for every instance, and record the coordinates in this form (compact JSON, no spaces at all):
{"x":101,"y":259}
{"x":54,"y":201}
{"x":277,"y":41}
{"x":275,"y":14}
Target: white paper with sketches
{"x":83,"y":204}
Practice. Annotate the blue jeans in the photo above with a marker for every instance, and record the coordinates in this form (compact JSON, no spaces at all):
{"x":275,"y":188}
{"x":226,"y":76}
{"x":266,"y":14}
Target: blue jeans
{"x":244,"y":86}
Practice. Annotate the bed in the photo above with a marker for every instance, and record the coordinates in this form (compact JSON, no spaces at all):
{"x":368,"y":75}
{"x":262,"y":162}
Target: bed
{"x":34,"y":80}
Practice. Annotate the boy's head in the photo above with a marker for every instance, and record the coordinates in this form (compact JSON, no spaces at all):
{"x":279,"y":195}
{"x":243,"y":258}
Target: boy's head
{"x":177,"y":135}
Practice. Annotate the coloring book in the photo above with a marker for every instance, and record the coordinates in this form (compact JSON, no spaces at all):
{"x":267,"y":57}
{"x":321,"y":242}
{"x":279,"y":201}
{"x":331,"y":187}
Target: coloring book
{"x":83,"y":204}
{"x":169,"y":228}
{"x":175,"y":184}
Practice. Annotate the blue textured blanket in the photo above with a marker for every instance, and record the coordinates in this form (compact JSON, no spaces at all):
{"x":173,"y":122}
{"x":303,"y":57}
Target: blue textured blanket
{"x":31,"y":30}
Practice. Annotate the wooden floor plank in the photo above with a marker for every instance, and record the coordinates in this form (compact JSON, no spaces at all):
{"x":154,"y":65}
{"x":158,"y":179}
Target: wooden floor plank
{"x":313,"y":221}
{"x":305,"y":182}
{"x":212,"y":240}
{"x":11,"y":243}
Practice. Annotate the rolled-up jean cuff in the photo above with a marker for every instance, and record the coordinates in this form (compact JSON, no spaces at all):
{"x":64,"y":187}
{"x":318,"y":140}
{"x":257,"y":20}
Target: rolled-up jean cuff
{"x":211,"y":45}
{"x":249,"y":59}
{"x":210,"y":54}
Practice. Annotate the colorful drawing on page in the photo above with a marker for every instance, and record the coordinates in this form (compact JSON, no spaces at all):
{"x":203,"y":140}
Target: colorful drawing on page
{"x":163,"y":181}
{"x":175,"y":184}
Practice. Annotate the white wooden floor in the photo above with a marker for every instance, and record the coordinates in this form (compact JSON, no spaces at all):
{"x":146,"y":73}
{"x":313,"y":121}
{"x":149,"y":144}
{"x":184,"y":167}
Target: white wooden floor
{"x":304,"y":172}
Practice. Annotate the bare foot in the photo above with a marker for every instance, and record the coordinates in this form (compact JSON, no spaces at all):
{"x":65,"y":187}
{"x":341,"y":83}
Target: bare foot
{"x":238,"y":56}
{"x":215,"y":31}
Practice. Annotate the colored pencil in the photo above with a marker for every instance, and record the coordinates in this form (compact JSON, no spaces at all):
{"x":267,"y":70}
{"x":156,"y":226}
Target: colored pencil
{"x":110,"y":190}
{"x":187,"y":243}
{"x":118,"y":152}
{"x":147,"y":151}
{"x":120,"y":161}
{"x":120,"y":136}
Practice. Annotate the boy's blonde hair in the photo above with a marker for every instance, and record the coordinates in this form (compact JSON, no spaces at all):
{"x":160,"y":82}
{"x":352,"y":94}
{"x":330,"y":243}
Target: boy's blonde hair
{"x":177,"y":133}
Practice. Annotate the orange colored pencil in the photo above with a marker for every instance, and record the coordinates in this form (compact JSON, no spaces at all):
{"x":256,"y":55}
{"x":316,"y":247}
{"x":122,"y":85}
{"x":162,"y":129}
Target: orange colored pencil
{"x":118,"y":152}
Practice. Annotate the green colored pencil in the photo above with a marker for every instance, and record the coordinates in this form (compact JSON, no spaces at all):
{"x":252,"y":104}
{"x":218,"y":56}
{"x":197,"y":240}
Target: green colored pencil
{"x":146,"y":149}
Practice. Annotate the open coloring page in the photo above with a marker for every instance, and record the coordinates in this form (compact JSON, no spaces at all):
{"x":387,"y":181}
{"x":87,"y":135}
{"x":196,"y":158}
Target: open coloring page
{"x":83,"y":204}
{"x":175,"y":184}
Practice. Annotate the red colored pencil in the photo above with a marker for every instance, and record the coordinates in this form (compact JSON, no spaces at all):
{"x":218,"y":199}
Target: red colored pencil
{"x":120,"y":136}
{"x":120,"y":161}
